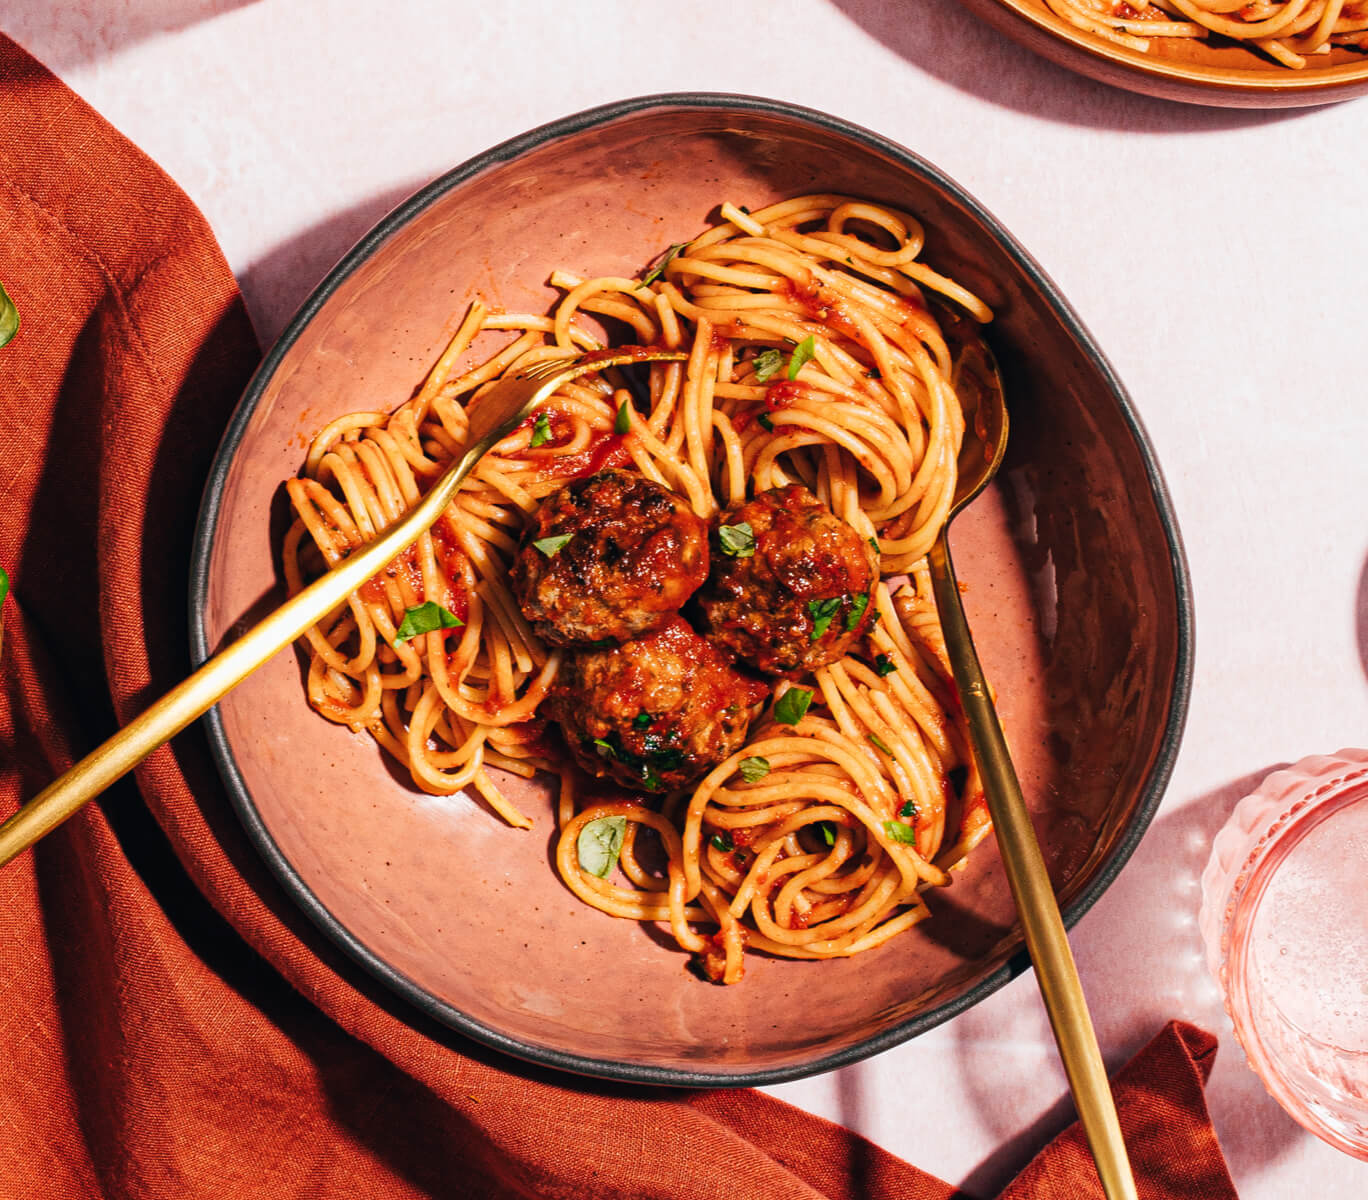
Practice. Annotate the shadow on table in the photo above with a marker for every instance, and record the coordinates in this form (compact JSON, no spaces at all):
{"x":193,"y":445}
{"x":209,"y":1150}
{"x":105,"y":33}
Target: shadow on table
{"x":63,"y":36}
{"x":947,"y":41}
{"x":276,"y":284}
{"x":1142,"y":961}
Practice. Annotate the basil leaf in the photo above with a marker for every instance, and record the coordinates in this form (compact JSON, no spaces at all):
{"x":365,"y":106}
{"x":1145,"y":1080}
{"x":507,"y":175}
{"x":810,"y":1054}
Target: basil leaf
{"x":641,"y":721}
{"x":898,"y":832}
{"x":541,"y":431}
{"x":828,"y":832}
{"x":909,"y":809}
{"x":858,"y":604}
{"x":599,"y":844}
{"x":427,"y":617}
{"x":763,"y":420}
{"x":879,"y":744}
{"x":821,"y":612}
{"x":9,"y":317}
{"x":4,"y":584}
{"x":659,"y":269}
{"x":802,"y":353}
{"x":624,"y":418}
{"x":737,"y":540}
{"x":723,"y":841}
{"x":884,"y":665}
{"x":754,"y":768}
{"x":551,"y":546}
{"x":767,"y":364}
{"x":605,"y":749}
{"x":790,"y":707}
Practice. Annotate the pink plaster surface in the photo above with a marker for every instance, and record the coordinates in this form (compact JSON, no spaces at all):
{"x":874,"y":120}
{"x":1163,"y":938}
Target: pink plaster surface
{"x":1217,"y":256}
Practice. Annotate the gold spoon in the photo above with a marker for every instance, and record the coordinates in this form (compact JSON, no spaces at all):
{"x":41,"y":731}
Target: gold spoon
{"x":496,"y":414}
{"x":980,"y":388}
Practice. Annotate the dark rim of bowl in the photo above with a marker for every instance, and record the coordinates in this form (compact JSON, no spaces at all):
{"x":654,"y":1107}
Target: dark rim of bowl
{"x":611,"y":1069}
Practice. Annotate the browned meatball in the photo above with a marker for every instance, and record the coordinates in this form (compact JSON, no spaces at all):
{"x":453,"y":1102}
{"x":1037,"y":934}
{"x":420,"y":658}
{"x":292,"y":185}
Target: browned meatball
{"x":609,"y":556}
{"x":791,"y":583}
{"x":656,"y":713}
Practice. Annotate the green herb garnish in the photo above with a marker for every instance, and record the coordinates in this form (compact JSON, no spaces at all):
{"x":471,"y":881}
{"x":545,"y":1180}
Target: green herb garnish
{"x":737,"y":540}
{"x":541,"y":431}
{"x":4,"y":584}
{"x":599,"y":844}
{"x":898,"y":832}
{"x":821,"y":612}
{"x":879,"y":744}
{"x":802,"y":353}
{"x":723,"y":841}
{"x":858,"y":604}
{"x":641,"y":720}
{"x":828,"y":832}
{"x":624,"y":418}
{"x":659,"y":269}
{"x":883,"y":665}
{"x":754,"y":768}
{"x":605,"y":749}
{"x":427,"y":617}
{"x":551,"y":546}
{"x":909,"y":809}
{"x":763,"y":420}
{"x":9,"y":317}
{"x":790,"y":707}
{"x":767,"y":364}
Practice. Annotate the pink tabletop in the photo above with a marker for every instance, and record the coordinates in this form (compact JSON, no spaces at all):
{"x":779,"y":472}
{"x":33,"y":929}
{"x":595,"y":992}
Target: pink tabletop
{"x":1217,"y":256}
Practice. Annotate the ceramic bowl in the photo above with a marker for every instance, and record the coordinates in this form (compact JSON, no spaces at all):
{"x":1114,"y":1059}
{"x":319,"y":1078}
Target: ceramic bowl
{"x":1077,"y":592}
{"x":1222,"y":74}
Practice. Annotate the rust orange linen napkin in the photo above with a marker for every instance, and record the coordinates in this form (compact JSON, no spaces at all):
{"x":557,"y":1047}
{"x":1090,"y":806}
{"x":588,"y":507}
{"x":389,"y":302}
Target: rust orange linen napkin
{"x":170,"y":1025}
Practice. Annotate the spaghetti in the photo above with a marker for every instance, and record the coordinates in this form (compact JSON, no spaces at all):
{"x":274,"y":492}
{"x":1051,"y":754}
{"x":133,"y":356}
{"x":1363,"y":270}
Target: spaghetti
{"x":813,"y":360}
{"x":1288,"y":31}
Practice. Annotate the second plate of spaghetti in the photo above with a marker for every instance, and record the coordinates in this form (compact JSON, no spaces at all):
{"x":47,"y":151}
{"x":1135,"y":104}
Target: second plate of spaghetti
{"x":660,"y":703}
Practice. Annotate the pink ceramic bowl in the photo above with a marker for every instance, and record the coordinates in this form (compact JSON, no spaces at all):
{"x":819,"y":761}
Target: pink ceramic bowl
{"x":1077,"y":591}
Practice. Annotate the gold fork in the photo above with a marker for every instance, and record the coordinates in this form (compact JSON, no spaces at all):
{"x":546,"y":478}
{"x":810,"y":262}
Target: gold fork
{"x":497,"y":413}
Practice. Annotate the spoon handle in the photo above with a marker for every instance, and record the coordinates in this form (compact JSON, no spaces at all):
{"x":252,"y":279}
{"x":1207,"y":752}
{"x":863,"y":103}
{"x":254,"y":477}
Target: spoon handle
{"x":1046,"y":939}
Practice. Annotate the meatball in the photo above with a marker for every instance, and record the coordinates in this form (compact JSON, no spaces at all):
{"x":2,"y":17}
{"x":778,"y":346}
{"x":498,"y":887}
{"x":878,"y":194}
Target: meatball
{"x":613,"y":555}
{"x":791,"y":583}
{"x":656,"y":713}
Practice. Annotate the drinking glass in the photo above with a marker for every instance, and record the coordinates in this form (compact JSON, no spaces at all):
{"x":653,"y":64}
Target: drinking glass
{"x":1285,"y":921}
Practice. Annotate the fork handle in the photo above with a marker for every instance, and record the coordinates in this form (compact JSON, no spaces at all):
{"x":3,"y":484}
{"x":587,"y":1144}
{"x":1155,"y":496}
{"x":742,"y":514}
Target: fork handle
{"x":1046,"y":940}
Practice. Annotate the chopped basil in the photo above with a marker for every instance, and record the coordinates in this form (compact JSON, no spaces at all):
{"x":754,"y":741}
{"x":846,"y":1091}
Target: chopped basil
{"x":9,"y":317}
{"x":763,"y":420}
{"x":4,"y":584}
{"x":828,"y":832}
{"x":767,"y":364}
{"x":821,"y":612}
{"x":599,"y":844}
{"x":754,"y":768}
{"x":541,"y":430}
{"x":874,"y":544}
{"x":879,"y":744}
{"x":737,"y":540}
{"x":858,"y":604}
{"x":802,"y":353}
{"x":909,"y":809}
{"x":659,"y":269}
{"x":624,"y":418}
{"x":723,"y":841}
{"x":602,"y":644}
{"x":898,"y":832}
{"x":873,"y":373}
{"x":641,"y":720}
{"x":605,"y":749}
{"x":427,"y":617}
{"x":884,"y":665}
{"x":790,"y":707}
{"x":551,"y":546}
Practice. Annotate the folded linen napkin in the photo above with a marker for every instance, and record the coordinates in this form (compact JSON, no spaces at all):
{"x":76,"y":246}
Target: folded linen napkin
{"x":171,"y":1025}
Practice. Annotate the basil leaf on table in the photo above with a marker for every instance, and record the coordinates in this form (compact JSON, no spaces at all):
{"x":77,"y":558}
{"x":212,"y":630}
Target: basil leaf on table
{"x":599,"y":844}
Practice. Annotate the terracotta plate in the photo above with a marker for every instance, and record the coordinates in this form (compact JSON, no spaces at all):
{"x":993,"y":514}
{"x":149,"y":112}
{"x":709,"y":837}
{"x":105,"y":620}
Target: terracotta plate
{"x":1219,"y":73}
{"x":1077,"y":590}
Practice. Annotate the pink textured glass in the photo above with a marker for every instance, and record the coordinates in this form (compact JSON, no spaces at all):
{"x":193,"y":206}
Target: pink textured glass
{"x":1285,"y":921}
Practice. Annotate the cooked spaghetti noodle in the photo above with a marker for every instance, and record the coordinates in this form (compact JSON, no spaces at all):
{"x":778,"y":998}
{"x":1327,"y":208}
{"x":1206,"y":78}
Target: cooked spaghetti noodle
{"x":1288,"y":31}
{"x":817,"y":837}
